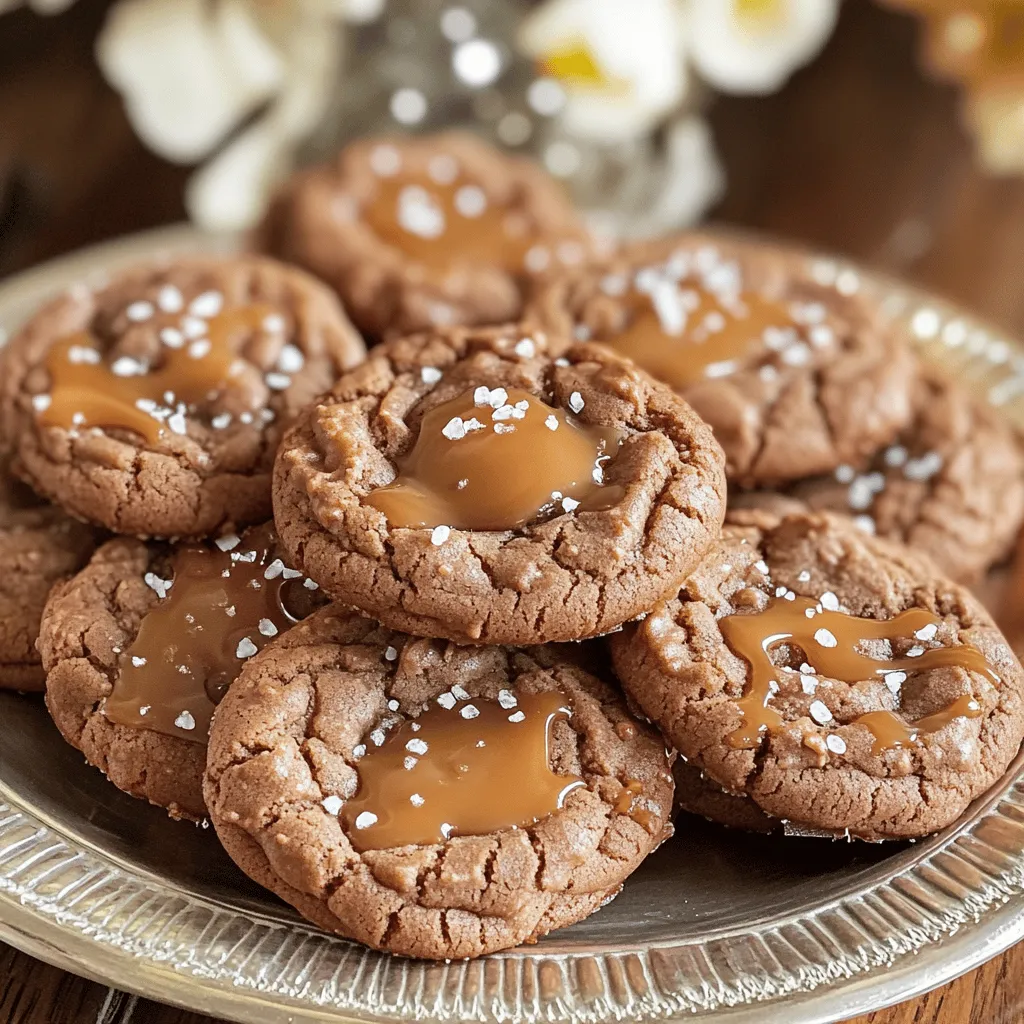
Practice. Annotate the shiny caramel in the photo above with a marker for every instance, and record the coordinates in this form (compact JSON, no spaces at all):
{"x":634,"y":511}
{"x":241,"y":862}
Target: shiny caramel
{"x":445,"y":221}
{"x":829,"y":640}
{"x":497,"y":460}
{"x":221,"y":605}
{"x":695,"y":334}
{"x":465,"y":766}
{"x":153,"y":399}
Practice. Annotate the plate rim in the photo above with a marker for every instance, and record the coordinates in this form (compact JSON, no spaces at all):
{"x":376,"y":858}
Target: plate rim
{"x":981,"y":891}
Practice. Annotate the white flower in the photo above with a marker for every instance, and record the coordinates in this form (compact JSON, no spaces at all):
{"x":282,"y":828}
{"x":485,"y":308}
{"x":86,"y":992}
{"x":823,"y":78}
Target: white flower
{"x":753,"y":46}
{"x":620,"y":64}
{"x":193,"y":71}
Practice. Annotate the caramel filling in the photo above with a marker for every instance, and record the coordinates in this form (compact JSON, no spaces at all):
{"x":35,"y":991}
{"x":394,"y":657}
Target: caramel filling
{"x":465,"y":766}
{"x":221,"y":605}
{"x":686,"y":333}
{"x":199,"y":359}
{"x":497,"y":460}
{"x":444,"y":219}
{"x":829,"y":641}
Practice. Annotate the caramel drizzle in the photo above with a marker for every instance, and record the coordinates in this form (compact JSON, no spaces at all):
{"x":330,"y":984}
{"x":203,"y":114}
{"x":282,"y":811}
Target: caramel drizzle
{"x":493,"y":459}
{"x":710,"y":336}
{"x":219,"y":608}
{"x":465,"y":766}
{"x":87,"y":391}
{"x":829,"y":640}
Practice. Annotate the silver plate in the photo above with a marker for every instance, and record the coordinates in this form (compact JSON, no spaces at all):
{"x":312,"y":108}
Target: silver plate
{"x":715,"y":926}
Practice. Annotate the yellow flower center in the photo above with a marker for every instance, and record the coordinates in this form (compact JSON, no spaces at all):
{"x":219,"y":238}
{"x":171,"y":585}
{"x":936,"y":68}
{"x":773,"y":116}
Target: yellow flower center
{"x":573,"y":63}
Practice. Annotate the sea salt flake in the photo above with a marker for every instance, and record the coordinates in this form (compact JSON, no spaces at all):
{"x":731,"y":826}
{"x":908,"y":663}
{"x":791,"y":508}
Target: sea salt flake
{"x":894,"y":680}
{"x":469,"y":711}
{"x":172,"y":337}
{"x":439,"y":535}
{"x":503,"y":428}
{"x":551,"y":422}
{"x":829,"y":601}
{"x":332,"y":804}
{"x":310,"y":584}
{"x":525,"y":348}
{"x":221,"y":421}
{"x":366,"y":819}
{"x":927,"y":632}
{"x":291,"y":574}
{"x":447,"y":701}
{"x":430,"y":374}
{"x":570,"y":504}
{"x":762,"y":567}
{"x":137,"y":661}
{"x":390,"y":654}
{"x":273,"y":570}
{"x":185,"y":721}
{"x":126,"y":366}
{"x":245,"y":649}
{"x":416,"y":800}
{"x":517,"y":716}
{"x":576,"y":402}
{"x":41,"y":402}
{"x":820,"y":712}
{"x":267,"y":628}
{"x":377,"y":737}
{"x":835,"y":743}
{"x":410,"y":762}
{"x":83,"y":354}
{"x":277,"y":381}
{"x":825,"y":638}
{"x":808,"y":683}
{"x":157,"y":585}
{"x":507,"y":699}
{"x":804,"y":576}
{"x":845,"y":474}
{"x":207,"y":304}
{"x":192,"y":327}
{"x":291,"y":359}
{"x":454,"y":429}
{"x":416,"y":746}
{"x":359,"y":750}
{"x":915,"y":652}
{"x":139,"y":311}
{"x":459,"y":692}
{"x":393,"y":705}
{"x":228,"y":542}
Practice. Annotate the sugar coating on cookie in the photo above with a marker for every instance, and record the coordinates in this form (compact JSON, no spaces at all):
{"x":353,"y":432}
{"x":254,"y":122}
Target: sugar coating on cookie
{"x":950,"y":485}
{"x":141,"y":645}
{"x":430,"y":799}
{"x":152,"y":404}
{"x":795,"y":378}
{"x":429,"y":231}
{"x":465,"y":484}
{"x":836,"y":679}
{"x":39,"y":545}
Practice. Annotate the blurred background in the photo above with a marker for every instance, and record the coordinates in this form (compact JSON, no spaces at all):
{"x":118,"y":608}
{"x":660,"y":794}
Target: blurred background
{"x":890,"y":131}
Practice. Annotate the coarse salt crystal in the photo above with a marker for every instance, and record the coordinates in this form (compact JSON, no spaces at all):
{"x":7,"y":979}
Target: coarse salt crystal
{"x":825,"y":638}
{"x":331,"y":804}
{"x":366,"y":819}
{"x":439,"y":535}
{"x":245,"y":649}
{"x":430,"y":374}
{"x":139,"y":311}
{"x":185,"y":721}
{"x":819,"y":712}
{"x":576,"y":402}
{"x":836,"y":744}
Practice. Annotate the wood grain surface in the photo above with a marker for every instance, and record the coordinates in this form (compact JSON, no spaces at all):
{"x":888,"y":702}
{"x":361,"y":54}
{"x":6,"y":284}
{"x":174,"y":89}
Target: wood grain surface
{"x":860,"y":154}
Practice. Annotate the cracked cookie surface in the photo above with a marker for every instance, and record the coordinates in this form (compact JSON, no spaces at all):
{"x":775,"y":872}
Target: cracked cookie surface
{"x":418,"y":232}
{"x":269,"y":337}
{"x":822,"y":763}
{"x":285,"y":753}
{"x":564,"y":577}
{"x":89,"y":626}
{"x":39,"y":545}
{"x":794,"y":377}
{"x":951,"y":485}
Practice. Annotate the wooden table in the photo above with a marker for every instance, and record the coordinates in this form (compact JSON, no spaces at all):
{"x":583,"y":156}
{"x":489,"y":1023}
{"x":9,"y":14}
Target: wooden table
{"x":859,"y":154}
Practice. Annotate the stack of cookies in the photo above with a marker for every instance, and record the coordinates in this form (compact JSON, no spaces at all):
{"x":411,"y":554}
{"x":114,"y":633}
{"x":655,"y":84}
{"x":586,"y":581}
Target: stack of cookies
{"x":369,"y":639}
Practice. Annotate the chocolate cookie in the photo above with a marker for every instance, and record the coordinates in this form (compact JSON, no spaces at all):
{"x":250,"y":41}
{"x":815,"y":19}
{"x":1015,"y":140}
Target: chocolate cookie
{"x":422,"y":232}
{"x":951,"y":485}
{"x":795,"y":378}
{"x":428,"y":799}
{"x":465,"y":484}
{"x":833,"y":677}
{"x":697,"y":794}
{"x":143,"y":642}
{"x":153,"y":404}
{"x":39,"y":545}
